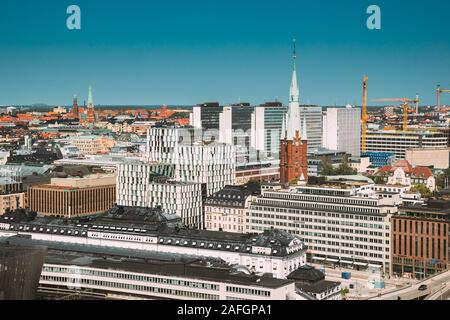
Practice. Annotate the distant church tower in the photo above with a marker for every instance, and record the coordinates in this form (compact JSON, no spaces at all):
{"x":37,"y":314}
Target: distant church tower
{"x":293,"y":153}
{"x":75,"y":110}
{"x":90,"y":116}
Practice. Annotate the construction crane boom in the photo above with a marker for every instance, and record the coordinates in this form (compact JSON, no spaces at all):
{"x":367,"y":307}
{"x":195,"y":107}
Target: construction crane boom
{"x":438,"y":92}
{"x":364,"y":114}
{"x":406,"y":103}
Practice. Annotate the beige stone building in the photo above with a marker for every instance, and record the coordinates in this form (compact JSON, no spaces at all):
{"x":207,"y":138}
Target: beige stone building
{"x":439,"y":158}
{"x":74,"y":197}
{"x":225,"y":210}
{"x":92,"y":144}
{"x":11,"y":201}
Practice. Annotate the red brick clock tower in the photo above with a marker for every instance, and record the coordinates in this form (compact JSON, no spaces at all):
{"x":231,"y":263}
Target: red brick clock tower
{"x":294,"y":148}
{"x":294,"y":161}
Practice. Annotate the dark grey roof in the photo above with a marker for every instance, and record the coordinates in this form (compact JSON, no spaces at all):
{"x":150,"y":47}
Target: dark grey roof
{"x":230,"y":196}
{"x":138,"y":221}
{"x":307,"y":274}
{"x":148,"y":263}
{"x":316,"y":288}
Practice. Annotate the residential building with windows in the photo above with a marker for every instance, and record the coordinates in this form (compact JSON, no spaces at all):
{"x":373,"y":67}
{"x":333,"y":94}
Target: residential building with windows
{"x":11,"y":201}
{"x":91,"y":144}
{"x":437,"y":158}
{"x":225,"y":210}
{"x":403,"y":173}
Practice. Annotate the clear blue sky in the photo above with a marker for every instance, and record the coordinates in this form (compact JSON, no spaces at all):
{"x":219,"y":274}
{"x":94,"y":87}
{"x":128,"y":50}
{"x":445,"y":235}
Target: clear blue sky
{"x":192,"y":51}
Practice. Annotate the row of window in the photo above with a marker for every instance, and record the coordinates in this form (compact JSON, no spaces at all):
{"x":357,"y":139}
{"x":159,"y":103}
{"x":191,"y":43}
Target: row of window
{"x":247,"y":291}
{"x":125,"y":286}
{"x":133,"y":277}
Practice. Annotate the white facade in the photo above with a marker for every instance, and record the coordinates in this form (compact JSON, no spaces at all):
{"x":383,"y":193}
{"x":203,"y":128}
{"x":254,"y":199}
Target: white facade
{"x":399,"y":177}
{"x":397,"y":142}
{"x":361,"y":165}
{"x":226,"y":211}
{"x":347,"y":225}
{"x":313,"y":118}
{"x":136,"y":187}
{"x":255,"y":258}
{"x":235,"y":128}
{"x":342,"y":130}
{"x":125,"y":284}
{"x":212,"y":164}
{"x":439,"y":158}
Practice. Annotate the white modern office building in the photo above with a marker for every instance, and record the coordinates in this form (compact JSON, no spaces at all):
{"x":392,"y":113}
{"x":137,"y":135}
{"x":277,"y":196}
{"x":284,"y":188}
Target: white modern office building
{"x":139,"y":185}
{"x":398,"y":142}
{"x":126,"y":281}
{"x":313,"y":117}
{"x":347,"y":224}
{"x":267,"y":123}
{"x":194,"y":161}
{"x":206,"y":116}
{"x":235,"y":129}
{"x":342,"y":130}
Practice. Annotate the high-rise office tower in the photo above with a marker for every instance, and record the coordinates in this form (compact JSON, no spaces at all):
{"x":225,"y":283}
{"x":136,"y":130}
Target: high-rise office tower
{"x":206,"y":116}
{"x":342,"y":130}
{"x":235,"y":129}
{"x":267,"y":125}
{"x":313,"y":117}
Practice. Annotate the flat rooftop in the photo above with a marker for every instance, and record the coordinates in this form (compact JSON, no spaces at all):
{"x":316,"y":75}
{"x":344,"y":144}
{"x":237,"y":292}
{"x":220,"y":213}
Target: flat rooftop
{"x":149,"y":263}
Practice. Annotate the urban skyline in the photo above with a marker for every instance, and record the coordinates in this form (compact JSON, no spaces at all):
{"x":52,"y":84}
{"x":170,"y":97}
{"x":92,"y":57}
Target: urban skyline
{"x":272,"y":199}
{"x":138,"y":57}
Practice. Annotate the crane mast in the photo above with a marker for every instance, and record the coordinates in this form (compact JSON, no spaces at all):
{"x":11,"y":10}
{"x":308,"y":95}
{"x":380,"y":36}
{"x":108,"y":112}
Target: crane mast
{"x":406,"y":103}
{"x":364,"y":115}
{"x":438,"y":94}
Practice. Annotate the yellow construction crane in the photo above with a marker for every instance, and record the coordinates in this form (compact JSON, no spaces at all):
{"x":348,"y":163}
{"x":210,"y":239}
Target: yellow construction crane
{"x":438,"y":92}
{"x":406,"y":103}
{"x":364,"y":114}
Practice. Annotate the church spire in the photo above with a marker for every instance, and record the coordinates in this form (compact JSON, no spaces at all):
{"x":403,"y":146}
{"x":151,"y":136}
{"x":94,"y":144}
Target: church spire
{"x":90,"y":115}
{"x":293,"y":114}
{"x":294,"y":92}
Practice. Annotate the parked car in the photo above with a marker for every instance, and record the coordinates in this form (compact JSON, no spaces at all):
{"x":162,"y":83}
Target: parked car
{"x":423,"y":287}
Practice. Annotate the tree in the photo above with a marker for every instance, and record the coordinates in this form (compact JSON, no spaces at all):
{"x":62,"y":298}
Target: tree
{"x":327,"y":167}
{"x":343,"y":170}
{"x":423,"y":190}
{"x":441,"y":179}
{"x":344,"y":292}
{"x":377,"y":179}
